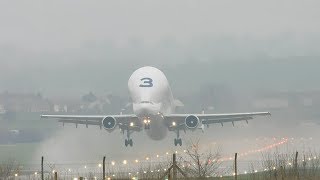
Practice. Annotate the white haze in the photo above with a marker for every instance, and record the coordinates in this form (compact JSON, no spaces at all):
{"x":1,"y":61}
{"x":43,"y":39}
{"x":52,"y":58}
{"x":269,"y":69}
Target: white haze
{"x":67,"y":48}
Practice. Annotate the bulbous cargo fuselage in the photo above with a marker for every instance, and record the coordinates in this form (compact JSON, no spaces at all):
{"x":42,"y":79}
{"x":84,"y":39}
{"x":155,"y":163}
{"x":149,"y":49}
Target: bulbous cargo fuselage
{"x":151,"y":98}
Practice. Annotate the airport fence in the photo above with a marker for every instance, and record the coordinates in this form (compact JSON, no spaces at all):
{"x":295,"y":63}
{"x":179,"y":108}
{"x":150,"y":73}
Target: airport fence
{"x":271,"y":166}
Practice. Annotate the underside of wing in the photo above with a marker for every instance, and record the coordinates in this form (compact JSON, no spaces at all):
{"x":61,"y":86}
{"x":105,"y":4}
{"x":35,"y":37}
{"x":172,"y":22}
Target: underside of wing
{"x":192,"y":121}
{"x":85,"y":117}
{"x":108,"y":122}
{"x":224,"y":115}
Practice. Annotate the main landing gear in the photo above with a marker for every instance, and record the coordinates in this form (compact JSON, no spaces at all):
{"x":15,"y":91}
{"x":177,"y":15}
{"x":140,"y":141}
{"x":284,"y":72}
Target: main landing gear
{"x":128,"y":141}
{"x":178,"y":139}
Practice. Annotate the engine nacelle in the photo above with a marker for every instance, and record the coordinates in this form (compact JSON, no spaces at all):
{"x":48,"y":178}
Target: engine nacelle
{"x":192,"y":122}
{"x":109,"y":123}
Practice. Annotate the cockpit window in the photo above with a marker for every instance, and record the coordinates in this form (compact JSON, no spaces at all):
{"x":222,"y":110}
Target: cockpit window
{"x":146,"y":102}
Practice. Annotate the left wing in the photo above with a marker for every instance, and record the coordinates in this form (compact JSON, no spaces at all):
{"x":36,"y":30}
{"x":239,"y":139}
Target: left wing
{"x":122,"y":121}
{"x":178,"y":121}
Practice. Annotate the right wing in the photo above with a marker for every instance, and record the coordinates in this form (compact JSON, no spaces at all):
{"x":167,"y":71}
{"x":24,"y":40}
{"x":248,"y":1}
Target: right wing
{"x":122,"y":121}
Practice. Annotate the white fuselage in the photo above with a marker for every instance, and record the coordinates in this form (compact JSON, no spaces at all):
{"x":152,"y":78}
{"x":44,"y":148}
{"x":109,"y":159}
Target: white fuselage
{"x":151,"y":98}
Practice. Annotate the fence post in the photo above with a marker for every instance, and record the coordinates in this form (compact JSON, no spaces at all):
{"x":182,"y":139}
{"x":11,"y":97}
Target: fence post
{"x":296,"y":165}
{"x":174,"y":169}
{"x":235,"y":166}
{"x":55,"y":175}
{"x":104,"y":168}
{"x":282,"y":172}
{"x":42,"y":178}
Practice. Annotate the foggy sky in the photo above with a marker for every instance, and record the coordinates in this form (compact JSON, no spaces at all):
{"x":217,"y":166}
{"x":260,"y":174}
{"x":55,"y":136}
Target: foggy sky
{"x":42,"y":41}
{"x":53,"y":26}
{"x":71,"y":47}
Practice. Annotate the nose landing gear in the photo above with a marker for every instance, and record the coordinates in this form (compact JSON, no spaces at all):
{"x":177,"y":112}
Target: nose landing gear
{"x":146,"y":123}
{"x":146,"y":126}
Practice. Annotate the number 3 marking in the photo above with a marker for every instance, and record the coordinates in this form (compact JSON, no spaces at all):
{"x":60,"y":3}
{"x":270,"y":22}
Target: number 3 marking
{"x":146,"y":82}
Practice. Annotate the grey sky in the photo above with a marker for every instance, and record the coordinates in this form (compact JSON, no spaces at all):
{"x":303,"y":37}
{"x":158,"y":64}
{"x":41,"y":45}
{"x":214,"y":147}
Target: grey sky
{"x":55,"y":25}
{"x":96,"y":45}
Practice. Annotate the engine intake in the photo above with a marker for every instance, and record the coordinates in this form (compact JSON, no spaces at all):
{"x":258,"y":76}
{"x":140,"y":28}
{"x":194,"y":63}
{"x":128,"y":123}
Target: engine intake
{"x":109,"y":123}
{"x":192,"y":122}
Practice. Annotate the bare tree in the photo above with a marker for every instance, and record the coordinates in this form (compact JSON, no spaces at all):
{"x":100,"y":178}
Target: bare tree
{"x":8,"y":169}
{"x":201,"y":164}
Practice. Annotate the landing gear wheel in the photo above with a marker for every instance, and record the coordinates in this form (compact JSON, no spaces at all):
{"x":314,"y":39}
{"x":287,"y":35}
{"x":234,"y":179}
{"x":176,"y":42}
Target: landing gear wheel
{"x":147,"y":126}
{"x":178,"y":141}
{"x":128,"y":142}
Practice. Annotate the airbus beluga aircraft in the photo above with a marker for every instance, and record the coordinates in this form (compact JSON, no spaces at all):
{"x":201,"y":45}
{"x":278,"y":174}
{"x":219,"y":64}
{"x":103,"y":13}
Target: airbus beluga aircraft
{"x":153,"y":107}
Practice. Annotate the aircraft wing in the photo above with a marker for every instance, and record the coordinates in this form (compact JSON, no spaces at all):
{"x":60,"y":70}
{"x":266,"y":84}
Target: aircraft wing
{"x":206,"y":119}
{"x":123,"y":121}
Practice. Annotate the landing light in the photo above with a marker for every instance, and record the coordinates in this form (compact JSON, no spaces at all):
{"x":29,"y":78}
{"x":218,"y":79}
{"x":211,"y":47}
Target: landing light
{"x":174,"y":124}
{"x":149,"y":121}
{"x":145,"y":121}
{"x":131,"y":124}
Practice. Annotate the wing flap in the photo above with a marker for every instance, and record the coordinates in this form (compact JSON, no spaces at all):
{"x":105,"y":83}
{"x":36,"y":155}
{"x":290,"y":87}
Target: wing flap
{"x":123,"y":121}
{"x":218,"y":116}
{"x":224,"y":120}
{"x":72,"y":117}
{"x":207,"y":119}
{"x":96,"y":123}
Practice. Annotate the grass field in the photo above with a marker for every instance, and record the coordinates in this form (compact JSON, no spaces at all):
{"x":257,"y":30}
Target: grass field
{"x":21,"y":152}
{"x":23,"y":121}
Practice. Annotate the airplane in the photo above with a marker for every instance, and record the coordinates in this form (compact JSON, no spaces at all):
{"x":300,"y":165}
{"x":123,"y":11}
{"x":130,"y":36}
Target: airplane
{"x":153,"y":106}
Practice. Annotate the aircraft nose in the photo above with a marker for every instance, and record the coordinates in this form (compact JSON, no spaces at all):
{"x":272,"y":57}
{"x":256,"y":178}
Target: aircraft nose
{"x":145,"y":108}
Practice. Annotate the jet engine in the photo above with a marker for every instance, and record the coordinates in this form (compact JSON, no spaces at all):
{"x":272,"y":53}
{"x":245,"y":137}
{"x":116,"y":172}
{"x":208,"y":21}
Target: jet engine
{"x":192,"y":122}
{"x":109,"y":123}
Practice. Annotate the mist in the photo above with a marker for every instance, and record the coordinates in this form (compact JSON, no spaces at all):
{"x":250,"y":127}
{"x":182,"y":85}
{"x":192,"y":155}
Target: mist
{"x":218,"y":56}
